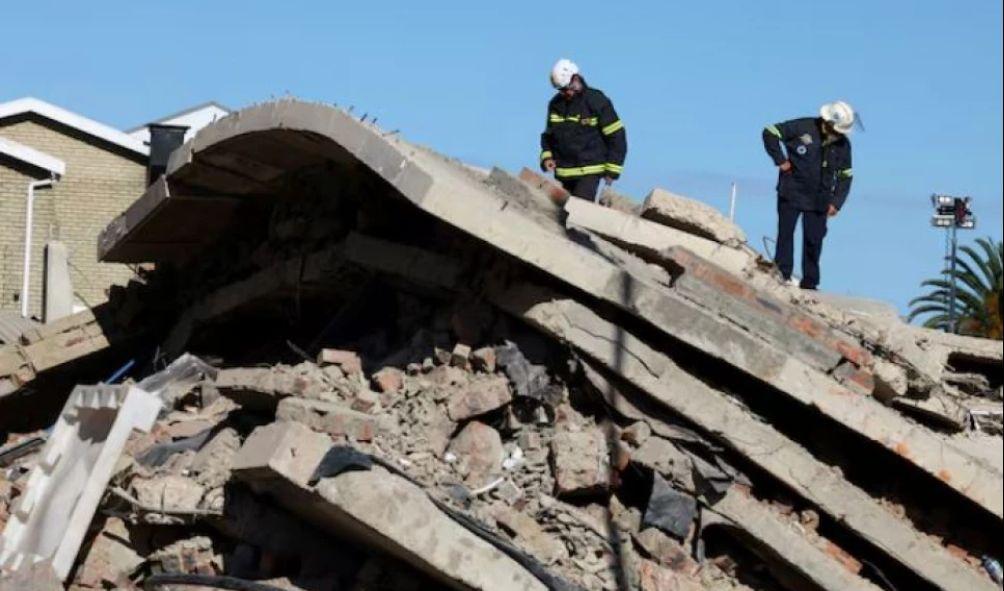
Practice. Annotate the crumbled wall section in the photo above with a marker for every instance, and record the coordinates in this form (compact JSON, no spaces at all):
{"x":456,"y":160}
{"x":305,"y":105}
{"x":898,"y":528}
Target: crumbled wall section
{"x":100,"y":182}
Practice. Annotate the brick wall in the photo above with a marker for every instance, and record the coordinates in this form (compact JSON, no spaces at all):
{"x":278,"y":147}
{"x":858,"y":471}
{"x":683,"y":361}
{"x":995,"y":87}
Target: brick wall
{"x":101,"y":181}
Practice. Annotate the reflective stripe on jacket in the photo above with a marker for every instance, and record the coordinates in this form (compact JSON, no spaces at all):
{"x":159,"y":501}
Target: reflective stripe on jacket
{"x":584,"y":136}
{"x":821,"y":172}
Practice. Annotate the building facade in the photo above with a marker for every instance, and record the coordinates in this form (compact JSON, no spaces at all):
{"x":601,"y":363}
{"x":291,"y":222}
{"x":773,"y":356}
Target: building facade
{"x":103,"y":170}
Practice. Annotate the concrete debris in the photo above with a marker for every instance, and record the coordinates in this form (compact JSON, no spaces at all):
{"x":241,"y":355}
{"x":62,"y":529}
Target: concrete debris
{"x":669,"y":510}
{"x":170,"y":493}
{"x":691,"y":216}
{"x":111,"y":558}
{"x":529,"y":534}
{"x":478,"y":449}
{"x":34,"y":576}
{"x":581,"y":462}
{"x":328,"y":417}
{"x":479,"y":397}
{"x":464,"y":379}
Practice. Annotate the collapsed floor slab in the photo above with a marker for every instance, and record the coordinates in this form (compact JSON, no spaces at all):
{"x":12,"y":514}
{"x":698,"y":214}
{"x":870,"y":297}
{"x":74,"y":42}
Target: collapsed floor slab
{"x":254,"y":155}
{"x":376,"y":508}
{"x":307,"y":132}
{"x":653,"y":372}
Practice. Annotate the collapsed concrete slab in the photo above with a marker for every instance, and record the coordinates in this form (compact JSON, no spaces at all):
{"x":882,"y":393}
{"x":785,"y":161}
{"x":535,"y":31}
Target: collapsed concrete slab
{"x":376,"y":508}
{"x":52,"y":345}
{"x":780,"y":542}
{"x":290,"y":134}
{"x":659,"y":376}
{"x":650,"y":239}
{"x":798,"y":361}
{"x":691,"y":216}
{"x":64,"y":489}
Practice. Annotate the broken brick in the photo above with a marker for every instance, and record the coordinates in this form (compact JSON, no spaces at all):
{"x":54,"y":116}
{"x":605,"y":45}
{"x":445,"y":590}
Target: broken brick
{"x":388,"y":380}
{"x":348,"y":361}
{"x":478,"y":398}
{"x":484,"y":360}
{"x":581,"y":462}
{"x":479,"y":452}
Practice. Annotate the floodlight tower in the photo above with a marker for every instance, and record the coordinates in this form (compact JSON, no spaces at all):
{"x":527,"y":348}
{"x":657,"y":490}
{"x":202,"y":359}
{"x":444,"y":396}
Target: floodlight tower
{"x":952,"y":214}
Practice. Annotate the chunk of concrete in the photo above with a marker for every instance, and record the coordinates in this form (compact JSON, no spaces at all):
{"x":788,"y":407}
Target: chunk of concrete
{"x":479,"y":451}
{"x":649,"y":239}
{"x":388,"y":380}
{"x":530,"y":534}
{"x":374,"y":508}
{"x":662,"y":457}
{"x":328,"y":417}
{"x":170,"y":492}
{"x":348,"y":361}
{"x":58,"y":285}
{"x":283,"y":449}
{"x":63,"y":491}
{"x":669,"y":510}
{"x":666,"y":551}
{"x":581,"y":462}
{"x":212,"y":463}
{"x":479,"y":397}
{"x":617,"y":201}
{"x":111,"y":557}
{"x":484,"y":359}
{"x":691,"y":216}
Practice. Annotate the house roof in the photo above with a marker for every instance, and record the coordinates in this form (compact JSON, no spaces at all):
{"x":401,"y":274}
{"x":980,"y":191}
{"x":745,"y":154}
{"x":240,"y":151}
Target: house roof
{"x":32,"y":156}
{"x":79,"y":122}
{"x":179,"y":114}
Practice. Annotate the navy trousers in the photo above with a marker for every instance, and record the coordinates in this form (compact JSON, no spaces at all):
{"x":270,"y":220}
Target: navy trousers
{"x":813,"y":232}
{"x":584,"y":187}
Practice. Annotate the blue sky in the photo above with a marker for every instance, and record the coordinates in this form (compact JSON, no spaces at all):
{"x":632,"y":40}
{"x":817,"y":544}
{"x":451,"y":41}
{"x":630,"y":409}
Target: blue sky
{"x":694,"y":82}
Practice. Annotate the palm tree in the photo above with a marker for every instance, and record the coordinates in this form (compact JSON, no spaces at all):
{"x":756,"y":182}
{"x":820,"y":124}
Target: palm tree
{"x":978,"y":295}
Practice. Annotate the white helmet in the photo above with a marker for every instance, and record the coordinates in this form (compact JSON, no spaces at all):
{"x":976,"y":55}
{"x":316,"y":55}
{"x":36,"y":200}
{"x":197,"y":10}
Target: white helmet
{"x":562,"y":72}
{"x":840,"y":115}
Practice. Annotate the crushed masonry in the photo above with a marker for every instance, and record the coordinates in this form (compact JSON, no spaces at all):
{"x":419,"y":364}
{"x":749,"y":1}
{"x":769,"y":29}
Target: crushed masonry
{"x":409,"y":373}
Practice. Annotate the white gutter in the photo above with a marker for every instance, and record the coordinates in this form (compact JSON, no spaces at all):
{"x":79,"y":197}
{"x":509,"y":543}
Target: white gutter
{"x":32,"y":156}
{"x":28,"y":221}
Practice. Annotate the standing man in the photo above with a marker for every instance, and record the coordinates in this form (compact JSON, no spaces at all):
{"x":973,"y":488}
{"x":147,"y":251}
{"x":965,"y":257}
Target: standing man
{"x":813,"y":157}
{"x":584,"y":140}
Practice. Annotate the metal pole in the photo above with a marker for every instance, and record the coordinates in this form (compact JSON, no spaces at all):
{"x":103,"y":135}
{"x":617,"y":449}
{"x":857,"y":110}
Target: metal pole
{"x":732,"y":203}
{"x":951,"y":298}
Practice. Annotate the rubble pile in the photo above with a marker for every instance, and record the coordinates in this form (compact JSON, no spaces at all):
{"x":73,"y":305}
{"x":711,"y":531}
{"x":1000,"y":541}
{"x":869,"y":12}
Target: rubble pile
{"x":357,"y":364}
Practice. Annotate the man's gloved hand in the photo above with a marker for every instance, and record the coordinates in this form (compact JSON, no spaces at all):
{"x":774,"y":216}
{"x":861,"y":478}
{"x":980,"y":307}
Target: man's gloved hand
{"x":609,"y":180}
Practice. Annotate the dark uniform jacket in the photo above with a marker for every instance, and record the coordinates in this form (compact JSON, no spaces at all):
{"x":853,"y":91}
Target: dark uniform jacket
{"x":584,"y":136}
{"x":820,"y":174}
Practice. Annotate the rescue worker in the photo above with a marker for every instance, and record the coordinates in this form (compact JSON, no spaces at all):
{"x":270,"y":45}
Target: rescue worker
{"x":584,"y":140}
{"x":813,"y":157}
